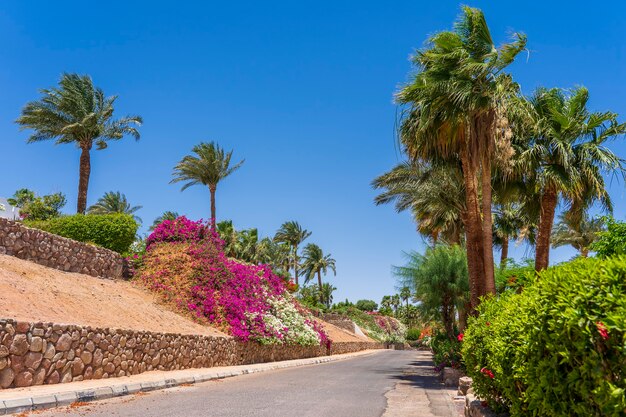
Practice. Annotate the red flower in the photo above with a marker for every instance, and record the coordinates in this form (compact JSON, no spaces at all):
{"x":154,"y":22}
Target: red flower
{"x":604,"y":333}
{"x":487,"y":372}
{"x":460,"y":337}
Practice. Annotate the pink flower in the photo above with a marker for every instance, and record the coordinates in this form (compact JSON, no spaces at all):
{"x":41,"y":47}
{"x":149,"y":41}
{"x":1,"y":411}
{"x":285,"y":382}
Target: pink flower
{"x":460,"y":337}
{"x":604,"y":333}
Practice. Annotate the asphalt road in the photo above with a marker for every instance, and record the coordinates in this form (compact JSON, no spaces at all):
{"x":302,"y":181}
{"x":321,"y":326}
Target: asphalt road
{"x":348,"y":388}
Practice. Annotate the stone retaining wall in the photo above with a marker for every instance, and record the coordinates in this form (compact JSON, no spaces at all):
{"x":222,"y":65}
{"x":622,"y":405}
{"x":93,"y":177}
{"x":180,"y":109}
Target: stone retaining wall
{"x":57,"y":252}
{"x":47,"y":353}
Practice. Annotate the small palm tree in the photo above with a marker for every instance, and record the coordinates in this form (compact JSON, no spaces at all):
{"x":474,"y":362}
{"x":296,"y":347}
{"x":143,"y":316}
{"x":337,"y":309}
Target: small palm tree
{"x":316,"y":262}
{"x":579,"y":234}
{"x":439,"y":281}
{"x":209,"y":166}
{"x":167,"y":215}
{"x":114,"y":202}
{"x":77,"y":112}
{"x":293,"y":235}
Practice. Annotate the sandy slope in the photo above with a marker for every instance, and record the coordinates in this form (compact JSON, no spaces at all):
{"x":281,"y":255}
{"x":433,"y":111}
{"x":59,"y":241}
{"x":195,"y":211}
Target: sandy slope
{"x":337,"y":334}
{"x":32,"y":292}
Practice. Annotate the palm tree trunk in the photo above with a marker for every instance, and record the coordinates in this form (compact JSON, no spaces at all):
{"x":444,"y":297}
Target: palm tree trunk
{"x":505,"y":252}
{"x":212,"y":189}
{"x":295,"y":263}
{"x":546,"y":219}
{"x":463,"y":313}
{"x":584,"y":252}
{"x":447,"y":316}
{"x":83,"y":181}
{"x":489,"y":279}
{"x":319,"y":281}
{"x":472,"y":231}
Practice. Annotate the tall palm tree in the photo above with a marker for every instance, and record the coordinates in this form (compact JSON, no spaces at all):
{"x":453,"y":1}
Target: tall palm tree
{"x":167,"y":215}
{"x":293,"y":235}
{"x":438,"y":280}
{"x":315,"y":262}
{"x":77,"y":112}
{"x":564,"y":156}
{"x":209,"y":166}
{"x":455,"y":107}
{"x":114,"y":202}
{"x":579,"y":234}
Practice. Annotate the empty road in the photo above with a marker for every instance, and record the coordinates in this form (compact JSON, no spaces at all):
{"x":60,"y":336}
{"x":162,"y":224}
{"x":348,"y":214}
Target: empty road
{"x":389,"y":383}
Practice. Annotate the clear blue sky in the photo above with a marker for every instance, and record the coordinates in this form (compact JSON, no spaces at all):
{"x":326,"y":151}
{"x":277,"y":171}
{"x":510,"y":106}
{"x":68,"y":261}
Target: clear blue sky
{"x":301,"y":90}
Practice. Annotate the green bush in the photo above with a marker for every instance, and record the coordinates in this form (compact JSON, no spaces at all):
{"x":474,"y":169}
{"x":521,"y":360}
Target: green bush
{"x":612,"y":241}
{"x":112,"y":231}
{"x":446,"y":351}
{"x":413,"y":334}
{"x":558,"y":348}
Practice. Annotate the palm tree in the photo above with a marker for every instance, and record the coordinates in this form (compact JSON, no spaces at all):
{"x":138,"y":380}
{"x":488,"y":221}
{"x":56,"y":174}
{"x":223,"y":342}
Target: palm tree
{"x":564,"y":156}
{"x":510,"y":222}
{"x":293,"y":235}
{"x":326,"y":295}
{"x":579,"y":234}
{"x":167,"y":215}
{"x":77,"y":112}
{"x":434,"y":194}
{"x":405,"y":294}
{"x":210,"y":165}
{"x":273,"y":253}
{"x":455,"y":107}
{"x":316,"y":263}
{"x":114,"y":202}
{"x":438,"y":280}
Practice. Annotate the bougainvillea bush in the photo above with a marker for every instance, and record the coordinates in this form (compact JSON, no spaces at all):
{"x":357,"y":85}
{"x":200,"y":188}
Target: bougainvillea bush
{"x":190,"y":270}
{"x":181,"y":229}
{"x":557,"y":348}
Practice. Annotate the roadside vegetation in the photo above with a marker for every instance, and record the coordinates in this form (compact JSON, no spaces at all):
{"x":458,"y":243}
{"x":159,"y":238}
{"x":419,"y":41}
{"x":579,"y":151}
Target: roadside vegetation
{"x":487,"y":166}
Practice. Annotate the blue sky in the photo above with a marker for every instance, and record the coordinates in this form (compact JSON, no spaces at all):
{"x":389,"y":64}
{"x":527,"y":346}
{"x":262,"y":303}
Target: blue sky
{"x":301,"y":90}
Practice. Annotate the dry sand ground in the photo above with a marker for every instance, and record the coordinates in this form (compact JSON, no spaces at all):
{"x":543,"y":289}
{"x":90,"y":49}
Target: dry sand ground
{"x":32,"y":292}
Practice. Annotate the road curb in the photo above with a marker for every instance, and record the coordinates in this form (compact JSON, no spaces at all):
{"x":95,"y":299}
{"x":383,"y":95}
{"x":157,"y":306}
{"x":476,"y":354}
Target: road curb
{"x":68,"y":397}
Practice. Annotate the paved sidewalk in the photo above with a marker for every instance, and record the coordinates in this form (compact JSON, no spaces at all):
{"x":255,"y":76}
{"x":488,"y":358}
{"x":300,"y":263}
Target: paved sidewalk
{"x":17,"y":400}
{"x":419,"y":392}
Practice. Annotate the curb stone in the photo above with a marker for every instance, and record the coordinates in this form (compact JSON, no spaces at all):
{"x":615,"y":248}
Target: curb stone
{"x":65,"y":398}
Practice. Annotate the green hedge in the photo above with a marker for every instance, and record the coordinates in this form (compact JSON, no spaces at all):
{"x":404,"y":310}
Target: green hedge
{"x":558,"y":348}
{"x":112,"y":231}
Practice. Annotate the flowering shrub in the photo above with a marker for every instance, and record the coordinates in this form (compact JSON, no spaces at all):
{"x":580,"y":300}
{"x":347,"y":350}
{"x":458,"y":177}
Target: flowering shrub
{"x":446,"y":352}
{"x":248,"y":301}
{"x":558,"y":348}
{"x":181,"y":229}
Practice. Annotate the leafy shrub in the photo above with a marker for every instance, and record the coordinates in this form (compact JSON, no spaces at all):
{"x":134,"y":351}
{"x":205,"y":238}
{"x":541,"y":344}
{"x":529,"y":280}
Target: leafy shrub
{"x":612,"y":241}
{"x":112,"y":231}
{"x":181,"y":229}
{"x":413,"y":334}
{"x":557,"y":348}
{"x":366,"y":305}
{"x":446,"y":351}
{"x":248,"y":301}
{"x":515,"y":275}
